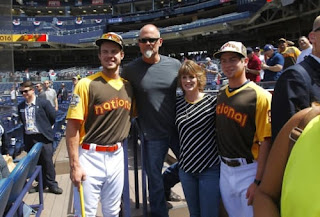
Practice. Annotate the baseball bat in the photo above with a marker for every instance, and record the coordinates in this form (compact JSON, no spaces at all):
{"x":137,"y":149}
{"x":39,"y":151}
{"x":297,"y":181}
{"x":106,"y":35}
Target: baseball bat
{"x":83,"y":212}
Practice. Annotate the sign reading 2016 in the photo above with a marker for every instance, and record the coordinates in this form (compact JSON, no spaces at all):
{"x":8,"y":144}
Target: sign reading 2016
{"x":5,"y":38}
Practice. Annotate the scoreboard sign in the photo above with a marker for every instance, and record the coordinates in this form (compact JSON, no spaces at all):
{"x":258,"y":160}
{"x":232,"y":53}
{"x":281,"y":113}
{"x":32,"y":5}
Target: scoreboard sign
{"x":23,"y":38}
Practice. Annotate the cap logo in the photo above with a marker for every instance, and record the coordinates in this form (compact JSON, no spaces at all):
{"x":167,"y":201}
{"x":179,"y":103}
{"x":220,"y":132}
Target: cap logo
{"x":112,"y":37}
{"x":230,"y":45}
{"x":108,"y":36}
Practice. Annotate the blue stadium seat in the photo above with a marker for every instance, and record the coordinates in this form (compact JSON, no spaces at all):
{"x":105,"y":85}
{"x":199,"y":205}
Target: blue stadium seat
{"x":5,"y":189}
{"x":19,"y":176}
{"x":20,"y":187}
{"x":34,"y":153}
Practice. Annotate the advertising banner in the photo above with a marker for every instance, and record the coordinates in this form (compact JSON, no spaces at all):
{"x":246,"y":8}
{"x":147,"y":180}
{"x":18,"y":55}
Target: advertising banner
{"x":7,"y":38}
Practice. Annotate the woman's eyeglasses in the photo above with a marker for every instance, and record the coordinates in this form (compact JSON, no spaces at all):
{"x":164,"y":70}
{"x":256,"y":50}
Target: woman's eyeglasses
{"x":150,"y":40}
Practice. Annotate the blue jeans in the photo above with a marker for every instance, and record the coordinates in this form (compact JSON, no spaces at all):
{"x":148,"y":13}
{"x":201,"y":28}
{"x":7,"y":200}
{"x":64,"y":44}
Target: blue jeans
{"x":202,"y":191}
{"x":155,"y":152}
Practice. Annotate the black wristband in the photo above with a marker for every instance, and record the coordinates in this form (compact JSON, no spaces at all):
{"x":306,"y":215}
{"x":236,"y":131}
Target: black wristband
{"x":257,"y":182}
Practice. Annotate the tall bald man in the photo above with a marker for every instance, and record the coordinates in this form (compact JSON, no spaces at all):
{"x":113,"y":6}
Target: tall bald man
{"x":154,"y":81}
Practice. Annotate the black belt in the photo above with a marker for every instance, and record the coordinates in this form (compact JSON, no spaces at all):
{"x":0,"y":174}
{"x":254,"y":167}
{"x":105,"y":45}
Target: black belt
{"x":235,"y":163}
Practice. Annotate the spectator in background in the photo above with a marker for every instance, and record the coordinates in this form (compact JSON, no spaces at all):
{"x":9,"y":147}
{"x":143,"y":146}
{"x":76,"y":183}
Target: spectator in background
{"x":305,"y":47}
{"x":13,"y":94}
{"x":74,"y":82}
{"x":257,"y":52}
{"x":3,"y":140}
{"x":199,"y":162}
{"x":290,"y":53}
{"x":40,"y":92}
{"x":253,"y":67}
{"x":62,"y":93}
{"x":38,"y":117}
{"x":4,"y":171}
{"x":298,"y":86}
{"x":27,"y":74}
{"x":51,"y":94}
{"x":274,"y":64}
{"x":16,"y":85}
{"x":52,"y":75}
{"x":212,"y":72}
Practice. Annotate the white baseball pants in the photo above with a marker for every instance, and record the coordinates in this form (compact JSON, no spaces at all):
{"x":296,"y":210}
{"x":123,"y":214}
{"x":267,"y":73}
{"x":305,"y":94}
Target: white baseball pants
{"x":234,"y":182}
{"x":104,"y":182}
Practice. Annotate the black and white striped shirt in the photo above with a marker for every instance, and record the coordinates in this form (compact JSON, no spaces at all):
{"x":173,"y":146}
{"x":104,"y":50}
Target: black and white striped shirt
{"x":196,"y":127}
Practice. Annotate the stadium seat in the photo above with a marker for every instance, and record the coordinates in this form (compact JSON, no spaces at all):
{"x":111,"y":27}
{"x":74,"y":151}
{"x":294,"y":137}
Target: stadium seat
{"x":20,"y":187}
{"x":34,"y":153}
{"x":19,"y":176}
{"x":5,"y":189}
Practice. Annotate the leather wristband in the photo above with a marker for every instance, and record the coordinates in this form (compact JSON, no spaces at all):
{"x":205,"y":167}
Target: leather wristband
{"x":257,"y":182}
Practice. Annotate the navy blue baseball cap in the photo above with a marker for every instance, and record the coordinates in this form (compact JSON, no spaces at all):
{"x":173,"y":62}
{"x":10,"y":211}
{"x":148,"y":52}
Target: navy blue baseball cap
{"x":268,"y":47}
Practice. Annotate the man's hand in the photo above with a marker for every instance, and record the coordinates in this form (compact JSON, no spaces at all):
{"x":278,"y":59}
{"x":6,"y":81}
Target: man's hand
{"x":250,"y":193}
{"x":264,"y":66}
{"x":77,"y":175}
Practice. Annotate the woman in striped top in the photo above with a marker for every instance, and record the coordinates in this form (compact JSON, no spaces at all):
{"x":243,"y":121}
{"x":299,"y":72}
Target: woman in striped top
{"x":199,"y":162}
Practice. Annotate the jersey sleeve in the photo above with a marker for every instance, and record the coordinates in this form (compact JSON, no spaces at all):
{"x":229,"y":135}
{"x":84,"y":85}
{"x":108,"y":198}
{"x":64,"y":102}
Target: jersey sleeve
{"x":263,"y":115}
{"x":79,"y":101}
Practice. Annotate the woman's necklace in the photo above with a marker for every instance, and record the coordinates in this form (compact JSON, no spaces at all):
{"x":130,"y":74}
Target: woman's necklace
{"x":191,"y":104}
{"x":189,"y":109}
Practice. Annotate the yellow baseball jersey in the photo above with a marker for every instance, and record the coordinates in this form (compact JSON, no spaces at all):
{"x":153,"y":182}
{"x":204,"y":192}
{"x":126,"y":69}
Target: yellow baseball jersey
{"x":103,"y":105}
{"x":300,"y":187}
{"x":243,"y":120}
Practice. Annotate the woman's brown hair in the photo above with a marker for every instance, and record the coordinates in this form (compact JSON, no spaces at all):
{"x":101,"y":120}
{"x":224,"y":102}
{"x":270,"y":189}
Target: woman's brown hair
{"x":190,"y":67}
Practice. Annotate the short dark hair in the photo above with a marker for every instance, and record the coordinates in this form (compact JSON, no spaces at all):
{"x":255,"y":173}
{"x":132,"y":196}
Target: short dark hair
{"x":27,"y":84}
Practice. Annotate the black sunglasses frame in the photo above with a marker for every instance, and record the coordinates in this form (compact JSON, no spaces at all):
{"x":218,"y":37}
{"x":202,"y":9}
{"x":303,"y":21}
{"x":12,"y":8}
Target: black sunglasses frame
{"x":150,"y":40}
{"x":24,"y":91}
